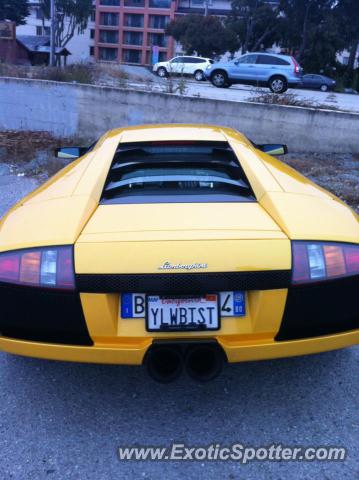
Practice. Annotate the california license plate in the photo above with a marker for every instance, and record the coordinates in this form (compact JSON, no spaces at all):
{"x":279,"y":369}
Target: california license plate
{"x":182,"y":313}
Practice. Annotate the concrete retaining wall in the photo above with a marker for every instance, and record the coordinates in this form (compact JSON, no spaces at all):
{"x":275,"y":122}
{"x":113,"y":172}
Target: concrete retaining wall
{"x":88,"y":111}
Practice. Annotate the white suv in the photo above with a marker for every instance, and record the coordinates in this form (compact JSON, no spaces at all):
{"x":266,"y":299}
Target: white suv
{"x":194,"y":66}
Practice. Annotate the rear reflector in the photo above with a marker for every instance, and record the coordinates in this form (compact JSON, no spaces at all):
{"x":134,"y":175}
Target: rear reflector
{"x":296,"y":66}
{"x":49,"y":267}
{"x":320,"y":261}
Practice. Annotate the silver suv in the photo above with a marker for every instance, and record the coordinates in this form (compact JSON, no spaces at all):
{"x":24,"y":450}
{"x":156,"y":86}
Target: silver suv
{"x":277,"y":72}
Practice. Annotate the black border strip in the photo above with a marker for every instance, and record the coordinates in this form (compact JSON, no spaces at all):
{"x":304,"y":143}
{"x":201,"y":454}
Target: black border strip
{"x":183,"y":283}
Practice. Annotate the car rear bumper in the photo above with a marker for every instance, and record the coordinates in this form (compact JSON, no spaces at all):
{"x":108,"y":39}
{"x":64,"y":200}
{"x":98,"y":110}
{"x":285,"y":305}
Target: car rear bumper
{"x":131,"y":351}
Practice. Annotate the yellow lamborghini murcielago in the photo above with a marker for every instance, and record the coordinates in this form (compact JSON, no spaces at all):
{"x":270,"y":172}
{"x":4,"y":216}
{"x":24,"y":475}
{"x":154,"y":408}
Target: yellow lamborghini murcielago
{"x":178,"y":246}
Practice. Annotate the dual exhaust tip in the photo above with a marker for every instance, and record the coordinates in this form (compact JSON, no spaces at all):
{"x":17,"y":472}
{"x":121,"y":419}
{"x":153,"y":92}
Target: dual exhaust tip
{"x":202,"y":361}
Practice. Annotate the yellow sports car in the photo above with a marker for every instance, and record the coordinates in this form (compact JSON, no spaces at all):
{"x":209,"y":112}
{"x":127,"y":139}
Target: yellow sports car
{"x":178,"y":246}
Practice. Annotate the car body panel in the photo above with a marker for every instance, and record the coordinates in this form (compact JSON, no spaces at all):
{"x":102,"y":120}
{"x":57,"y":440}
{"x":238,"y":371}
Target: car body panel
{"x":37,"y":224}
{"x":132,"y":351}
{"x":302,"y":219}
{"x":136,"y":239}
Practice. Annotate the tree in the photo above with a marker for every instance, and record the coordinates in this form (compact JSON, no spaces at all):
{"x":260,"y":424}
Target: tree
{"x":347,"y":11}
{"x":302,"y":19}
{"x":205,"y":35}
{"x":71,"y":17}
{"x":256,"y":24}
{"x":14,"y":10}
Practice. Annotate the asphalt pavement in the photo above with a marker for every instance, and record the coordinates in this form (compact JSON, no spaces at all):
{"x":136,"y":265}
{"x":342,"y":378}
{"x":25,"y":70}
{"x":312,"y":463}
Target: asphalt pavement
{"x":65,"y":421}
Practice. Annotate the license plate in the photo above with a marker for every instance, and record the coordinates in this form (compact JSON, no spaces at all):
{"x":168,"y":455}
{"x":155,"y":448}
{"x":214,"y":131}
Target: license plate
{"x":182,"y":313}
{"x":232,"y":304}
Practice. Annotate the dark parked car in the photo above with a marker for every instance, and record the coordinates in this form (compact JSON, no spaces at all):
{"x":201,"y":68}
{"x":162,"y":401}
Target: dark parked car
{"x":320,"y":82}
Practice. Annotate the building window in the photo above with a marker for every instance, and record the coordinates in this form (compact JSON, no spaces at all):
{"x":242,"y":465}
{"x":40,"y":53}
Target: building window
{"x":157,"y":39}
{"x":133,"y":20}
{"x":159,"y":3}
{"x":115,"y":3}
{"x":134,"y":3}
{"x":132,"y":56}
{"x":93,"y":16}
{"x":108,"y":54}
{"x":92,"y":51}
{"x":39,"y":14}
{"x":42,"y":30}
{"x":92,"y":33}
{"x":132,"y":38}
{"x":109,"y":19}
{"x":108,"y":36}
{"x":158,"y":21}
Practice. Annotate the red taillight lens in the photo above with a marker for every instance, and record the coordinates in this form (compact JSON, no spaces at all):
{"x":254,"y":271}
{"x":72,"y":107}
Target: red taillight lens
{"x":321,"y":261}
{"x":351,"y":254}
{"x":50,"y":267}
{"x":65,"y":269}
{"x":296,"y":66}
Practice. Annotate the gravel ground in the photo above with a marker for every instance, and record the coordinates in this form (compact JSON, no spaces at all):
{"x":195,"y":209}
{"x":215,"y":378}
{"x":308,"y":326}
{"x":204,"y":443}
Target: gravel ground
{"x":337,"y":173}
{"x":62,"y":420}
{"x":12,"y":188}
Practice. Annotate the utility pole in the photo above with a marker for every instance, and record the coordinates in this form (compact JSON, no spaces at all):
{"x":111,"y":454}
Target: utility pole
{"x":206,"y":2}
{"x":52,"y":32}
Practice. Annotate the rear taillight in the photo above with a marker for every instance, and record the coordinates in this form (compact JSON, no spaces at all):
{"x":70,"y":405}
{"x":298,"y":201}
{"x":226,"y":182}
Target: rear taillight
{"x":296,"y":66}
{"x":321,"y":261}
{"x":49,"y":267}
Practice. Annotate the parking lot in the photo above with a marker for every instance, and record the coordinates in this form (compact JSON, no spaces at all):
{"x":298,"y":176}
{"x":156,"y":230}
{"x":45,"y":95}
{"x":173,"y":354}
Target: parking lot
{"x":62,"y":420}
{"x":240,"y":93}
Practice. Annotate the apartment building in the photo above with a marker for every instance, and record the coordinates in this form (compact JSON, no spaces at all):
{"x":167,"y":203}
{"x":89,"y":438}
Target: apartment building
{"x":133,"y":31}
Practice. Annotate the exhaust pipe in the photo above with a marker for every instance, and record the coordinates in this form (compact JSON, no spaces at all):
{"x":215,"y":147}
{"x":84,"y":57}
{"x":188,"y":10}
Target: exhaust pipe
{"x":204,"y":362}
{"x":164,"y":363}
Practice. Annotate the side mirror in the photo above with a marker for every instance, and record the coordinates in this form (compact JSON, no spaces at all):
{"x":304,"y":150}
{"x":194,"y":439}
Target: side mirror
{"x":236,"y":62}
{"x":273,"y":148}
{"x":70,"y":153}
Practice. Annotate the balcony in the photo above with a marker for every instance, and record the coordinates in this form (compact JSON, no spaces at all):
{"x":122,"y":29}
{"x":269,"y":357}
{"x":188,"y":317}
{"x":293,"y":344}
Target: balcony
{"x":133,"y":38}
{"x":108,"y":36}
{"x":133,"y":20}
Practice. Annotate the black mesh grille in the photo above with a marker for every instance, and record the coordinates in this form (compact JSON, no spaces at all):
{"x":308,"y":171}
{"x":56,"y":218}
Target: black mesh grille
{"x":30,"y":313}
{"x":183,"y":283}
{"x":324,"y":309}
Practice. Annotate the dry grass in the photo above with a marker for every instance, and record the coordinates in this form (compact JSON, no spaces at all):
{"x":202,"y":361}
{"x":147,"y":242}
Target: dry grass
{"x":22,"y":146}
{"x":337,"y":173}
{"x":79,"y":73}
{"x":260,"y":95}
{"x":85,"y":73}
